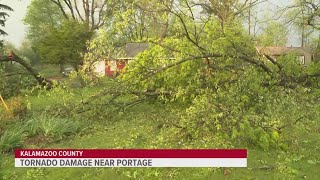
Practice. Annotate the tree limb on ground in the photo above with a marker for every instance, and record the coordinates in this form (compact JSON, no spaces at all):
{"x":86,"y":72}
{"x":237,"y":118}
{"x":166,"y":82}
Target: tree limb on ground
{"x":41,"y":80}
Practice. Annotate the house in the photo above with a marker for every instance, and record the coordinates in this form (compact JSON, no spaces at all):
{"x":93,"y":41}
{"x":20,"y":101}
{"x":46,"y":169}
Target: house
{"x":112,"y":67}
{"x":129,"y":52}
{"x":303,"y":54}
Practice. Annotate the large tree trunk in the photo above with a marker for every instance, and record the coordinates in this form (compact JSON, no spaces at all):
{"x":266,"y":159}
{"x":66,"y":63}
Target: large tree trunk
{"x":41,"y":80}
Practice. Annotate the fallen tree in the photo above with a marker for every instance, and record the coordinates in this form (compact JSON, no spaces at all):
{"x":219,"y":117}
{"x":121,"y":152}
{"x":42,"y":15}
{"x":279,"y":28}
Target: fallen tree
{"x":12,"y":57}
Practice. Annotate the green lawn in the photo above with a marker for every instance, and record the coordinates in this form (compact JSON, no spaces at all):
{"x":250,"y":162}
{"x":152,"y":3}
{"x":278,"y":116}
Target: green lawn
{"x":140,"y":127}
{"x":49,"y":70}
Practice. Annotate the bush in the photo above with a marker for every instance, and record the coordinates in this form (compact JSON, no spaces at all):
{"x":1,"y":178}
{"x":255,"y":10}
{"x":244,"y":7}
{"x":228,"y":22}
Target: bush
{"x":11,"y":139}
{"x":52,"y":126}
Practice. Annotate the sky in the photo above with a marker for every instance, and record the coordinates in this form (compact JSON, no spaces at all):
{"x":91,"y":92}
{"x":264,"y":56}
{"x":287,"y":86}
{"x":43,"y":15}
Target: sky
{"x":17,"y":30}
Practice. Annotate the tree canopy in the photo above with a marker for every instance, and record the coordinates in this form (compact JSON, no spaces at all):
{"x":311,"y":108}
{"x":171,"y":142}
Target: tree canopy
{"x":55,"y":38}
{"x":64,"y":44}
{"x":41,"y":16}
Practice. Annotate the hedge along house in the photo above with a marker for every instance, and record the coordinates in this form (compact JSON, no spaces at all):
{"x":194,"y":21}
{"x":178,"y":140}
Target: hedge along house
{"x":129,"y":52}
{"x":304,"y":55}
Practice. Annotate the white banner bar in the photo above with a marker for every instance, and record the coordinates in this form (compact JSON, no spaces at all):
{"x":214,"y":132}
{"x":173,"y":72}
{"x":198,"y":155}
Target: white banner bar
{"x":131,"y":162}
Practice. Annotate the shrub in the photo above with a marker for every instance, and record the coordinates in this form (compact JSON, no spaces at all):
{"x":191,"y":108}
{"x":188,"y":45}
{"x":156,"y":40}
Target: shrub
{"x":11,"y":139}
{"x":52,"y":126}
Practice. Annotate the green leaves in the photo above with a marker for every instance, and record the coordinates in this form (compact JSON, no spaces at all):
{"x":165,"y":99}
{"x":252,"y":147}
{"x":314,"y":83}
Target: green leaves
{"x":64,"y":44}
{"x":41,"y":17}
{"x":55,"y":39}
{"x":210,"y":69}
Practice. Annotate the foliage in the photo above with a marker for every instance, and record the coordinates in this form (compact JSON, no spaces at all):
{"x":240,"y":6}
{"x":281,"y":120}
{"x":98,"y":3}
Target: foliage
{"x":226,"y":98}
{"x":131,"y":21}
{"x":45,"y":100}
{"x":147,"y":125}
{"x":64,"y":44}
{"x":55,"y":39}
{"x":41,"y":16}
{"x":154,"y":124}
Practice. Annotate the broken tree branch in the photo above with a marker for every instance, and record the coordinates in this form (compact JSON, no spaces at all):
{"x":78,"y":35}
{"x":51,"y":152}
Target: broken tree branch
{"x":41,"y":80}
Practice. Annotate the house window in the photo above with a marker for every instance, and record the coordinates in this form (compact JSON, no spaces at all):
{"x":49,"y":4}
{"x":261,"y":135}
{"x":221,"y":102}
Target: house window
{"x":302,"y":60}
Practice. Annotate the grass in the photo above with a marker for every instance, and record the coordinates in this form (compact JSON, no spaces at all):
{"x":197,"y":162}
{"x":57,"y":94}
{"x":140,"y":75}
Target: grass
{"x":52,"y":72}
{"x":140,"y":127}
{"x":11,"y":139}
{"x":49,"y":70}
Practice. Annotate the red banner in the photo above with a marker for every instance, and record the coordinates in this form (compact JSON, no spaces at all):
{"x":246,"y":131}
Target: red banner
{"x":131,"y":153}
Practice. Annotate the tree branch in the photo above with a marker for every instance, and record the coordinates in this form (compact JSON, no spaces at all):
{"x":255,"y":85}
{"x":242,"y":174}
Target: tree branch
{"x":77,"y":10}
{"x":41,"y":80}
{"x":57,"y":2}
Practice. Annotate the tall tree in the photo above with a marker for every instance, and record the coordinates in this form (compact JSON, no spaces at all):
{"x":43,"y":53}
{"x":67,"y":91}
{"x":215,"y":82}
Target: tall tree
{"x":90,"y":12}
{"x":64,"y":44}
{"x":41,"y":16}
{"x":54,"y":38}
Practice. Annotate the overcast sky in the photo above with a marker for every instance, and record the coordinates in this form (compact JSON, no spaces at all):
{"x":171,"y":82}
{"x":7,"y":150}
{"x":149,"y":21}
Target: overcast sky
{"x":17,"y":30}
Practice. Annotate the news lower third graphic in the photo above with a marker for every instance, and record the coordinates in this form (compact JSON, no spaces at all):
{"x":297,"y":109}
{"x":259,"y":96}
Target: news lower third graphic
{"x":131,"y":158}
